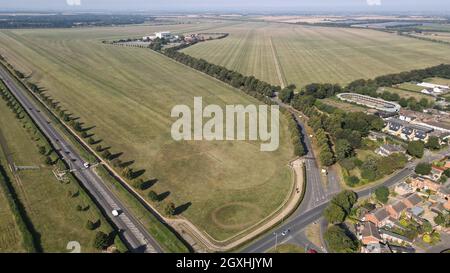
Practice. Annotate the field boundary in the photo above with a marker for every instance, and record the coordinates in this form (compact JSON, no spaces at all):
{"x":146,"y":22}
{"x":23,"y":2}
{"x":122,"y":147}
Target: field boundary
{"x":280,"y":74}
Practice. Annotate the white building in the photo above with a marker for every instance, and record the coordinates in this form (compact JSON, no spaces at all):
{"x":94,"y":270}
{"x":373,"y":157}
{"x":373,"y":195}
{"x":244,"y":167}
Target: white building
{"x":433,"y":91}
{"x":432,"y":85}
{"x":163,"y":35}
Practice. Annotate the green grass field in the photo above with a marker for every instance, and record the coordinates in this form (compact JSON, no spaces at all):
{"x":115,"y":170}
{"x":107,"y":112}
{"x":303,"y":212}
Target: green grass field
{"x":52,"y":212}
{"x":409,"y":87}
{"x":128,"y":93}
{"x":317,"y":54}
{"x":348,"y":107}
{"x":407,"y":94}
{"x":10,"y":236}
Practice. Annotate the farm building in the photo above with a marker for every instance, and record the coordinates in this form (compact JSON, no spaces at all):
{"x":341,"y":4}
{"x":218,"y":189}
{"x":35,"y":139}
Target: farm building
{"x":432,"y":85}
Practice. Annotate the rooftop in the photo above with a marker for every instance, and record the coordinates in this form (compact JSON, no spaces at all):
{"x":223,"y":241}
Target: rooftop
{"x":414,"y":199}
{"x":380,"y":214}
{"x":369,"y":229}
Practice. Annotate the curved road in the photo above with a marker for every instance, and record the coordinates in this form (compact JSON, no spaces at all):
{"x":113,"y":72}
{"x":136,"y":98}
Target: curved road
{"x":315,"y":200}
{"x":131,"y":230}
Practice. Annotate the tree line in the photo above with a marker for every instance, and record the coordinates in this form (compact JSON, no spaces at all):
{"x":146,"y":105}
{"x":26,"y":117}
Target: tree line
{"x":249,"y":84}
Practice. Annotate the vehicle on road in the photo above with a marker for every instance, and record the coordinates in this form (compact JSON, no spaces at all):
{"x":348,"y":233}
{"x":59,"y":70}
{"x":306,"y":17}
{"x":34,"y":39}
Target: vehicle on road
{"x":116,"y":212}
{"x":86,"y":165}
{"x":286,"y":232}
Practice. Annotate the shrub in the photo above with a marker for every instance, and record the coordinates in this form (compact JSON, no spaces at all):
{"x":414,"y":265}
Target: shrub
{"x":101,"y":241}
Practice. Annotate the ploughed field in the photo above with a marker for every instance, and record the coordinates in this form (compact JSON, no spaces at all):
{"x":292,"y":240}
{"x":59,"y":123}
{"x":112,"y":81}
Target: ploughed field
{"x":306,"y":54}
{"x":223,"y":187}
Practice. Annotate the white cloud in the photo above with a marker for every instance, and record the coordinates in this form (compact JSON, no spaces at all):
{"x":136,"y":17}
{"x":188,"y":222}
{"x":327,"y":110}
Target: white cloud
{"x":374,"y":2}
{"x":73,"y":2}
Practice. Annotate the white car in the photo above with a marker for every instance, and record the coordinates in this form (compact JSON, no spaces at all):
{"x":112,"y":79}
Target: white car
{"x":284,"y":233}
{"x":115,"y":212}
{"x":86,"y":165}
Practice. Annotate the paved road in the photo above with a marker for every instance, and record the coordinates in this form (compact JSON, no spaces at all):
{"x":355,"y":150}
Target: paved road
{"x":316,"y":199}
{"x":315,"y":189}
{"x":135,"y":235}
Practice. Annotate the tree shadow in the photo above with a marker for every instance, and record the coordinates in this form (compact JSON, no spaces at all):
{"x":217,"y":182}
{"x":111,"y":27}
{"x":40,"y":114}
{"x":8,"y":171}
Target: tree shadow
{"x":97,"y":224}
{"x":88,"y":128}
{"x":105,"y":149}
{"x":148,"y":184}
{"x":136,"y":174}
{"x":97,"y":142}
{"x":114,"y":156}
{"x":163,"y":196}
{"x":127,"y":164}
{"x":180,"y":209}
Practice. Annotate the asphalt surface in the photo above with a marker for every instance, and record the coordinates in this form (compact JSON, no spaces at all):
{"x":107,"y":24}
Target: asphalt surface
{"x":317,"y":198}
{"x":131,"y":230}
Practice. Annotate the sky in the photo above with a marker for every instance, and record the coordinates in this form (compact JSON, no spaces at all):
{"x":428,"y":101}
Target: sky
{"x":230,"y":5}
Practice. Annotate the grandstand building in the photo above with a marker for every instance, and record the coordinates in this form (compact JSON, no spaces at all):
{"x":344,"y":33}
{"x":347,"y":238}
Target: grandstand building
{"x":379,"y":104}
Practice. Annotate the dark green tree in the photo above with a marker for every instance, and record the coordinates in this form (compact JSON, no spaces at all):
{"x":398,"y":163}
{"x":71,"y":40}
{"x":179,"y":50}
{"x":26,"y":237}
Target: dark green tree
{"x":334,"y":214}
{"x":170,"y":209}
{"x":433,"y":143}
{"x":423,"y":168}
{"x":101,"y":241}
{"x":153,"y":196}
{"x":339,"y":242}
{"x":382,"y":194}
{"x":416,"y":148}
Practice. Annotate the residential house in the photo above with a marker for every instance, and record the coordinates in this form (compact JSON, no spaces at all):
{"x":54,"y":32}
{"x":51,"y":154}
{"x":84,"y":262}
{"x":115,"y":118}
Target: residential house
{"x":379,"y":217}
{"x":375,"y":136}
{"x":436,"y":173}
{"x":403,"y":188}
{"x":368,"y":233}
{"x":444,"y":191}
{"x":389,"y":149}
{"x":412,"y":200}
{"x":406,"y":130}
{"x":423,"y":183}
{"x":401,"y":249}
{"x":395,"y":210}
{"x":390,"y":236}
{"x":438,"y":208}
{"x":375,"y":248}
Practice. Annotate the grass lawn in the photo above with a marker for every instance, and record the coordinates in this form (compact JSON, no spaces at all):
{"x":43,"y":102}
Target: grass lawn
{"x":52,"y":212}
{"x":128,"y":94}
{"x":10,"y":236}
{"x":409,"y":87}
{"x":406,"y":94}
{"x":438,"y":80}
{"x":317,"y":54}
{"x":348,"y":107}
{"x":287,"y":248}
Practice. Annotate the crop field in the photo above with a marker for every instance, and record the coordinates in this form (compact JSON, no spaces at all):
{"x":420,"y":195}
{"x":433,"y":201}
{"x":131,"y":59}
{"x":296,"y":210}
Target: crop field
{"x":128,"y":94}
{"x":317,"y":54}
{"x":46,"y":201}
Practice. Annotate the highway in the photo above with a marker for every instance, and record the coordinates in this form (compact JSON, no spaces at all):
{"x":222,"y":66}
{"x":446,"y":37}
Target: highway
{"x":131,"y":230}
